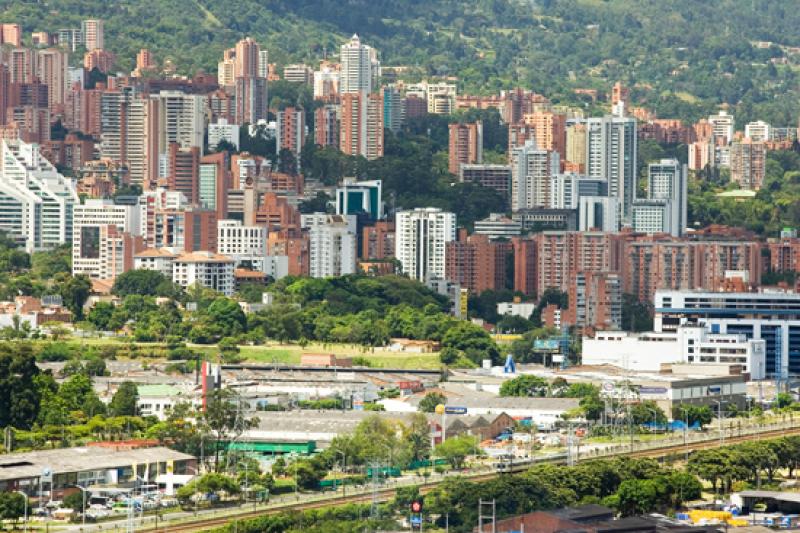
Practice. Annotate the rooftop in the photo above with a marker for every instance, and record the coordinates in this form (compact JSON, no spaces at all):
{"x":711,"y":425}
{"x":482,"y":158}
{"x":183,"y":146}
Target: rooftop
{"x":59,"y":461}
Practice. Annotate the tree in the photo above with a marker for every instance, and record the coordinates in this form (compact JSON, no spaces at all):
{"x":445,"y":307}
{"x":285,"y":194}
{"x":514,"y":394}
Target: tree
{"x":75,"y":501}
{"x":782,"y":400}
{"x":12,"y":506}
{"x":647,"y":412}
{"x":637,"y":496}
{"x":124,"y":401}
{"x":74,"y":292}
{"x":144,"y":283}
{"x":473,"y":341}
{"x":429,"y":402}
{"x":524,"y":385}
{"x":100,"y":315}
{"x":78,"y":394}
{"x":224,"y":416}
{"x":226,"y":314}
{"x":19,"y":396}
{"x":210,"y":484}
{"x":693,"y":414}
{"x":455,"y":450}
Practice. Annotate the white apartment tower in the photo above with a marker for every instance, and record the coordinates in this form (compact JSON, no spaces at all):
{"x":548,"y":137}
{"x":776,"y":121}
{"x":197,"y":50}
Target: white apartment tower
{"x":421,"y":238}
{"x":359,"y":67}
{"x":332,"y":244}
{"x":531,"y":172}
{"x":36,"y":202}
{"x":89,"y":234}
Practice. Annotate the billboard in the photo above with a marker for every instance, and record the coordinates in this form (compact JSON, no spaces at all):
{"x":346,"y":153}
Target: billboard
{"x":545,"y":344}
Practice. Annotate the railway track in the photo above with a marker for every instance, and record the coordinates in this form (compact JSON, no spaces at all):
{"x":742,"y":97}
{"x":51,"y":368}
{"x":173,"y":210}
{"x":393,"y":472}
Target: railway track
{"x":386,"y":494}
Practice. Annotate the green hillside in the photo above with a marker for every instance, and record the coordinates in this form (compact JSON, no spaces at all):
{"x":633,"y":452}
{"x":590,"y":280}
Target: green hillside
{"x":682,"y":57}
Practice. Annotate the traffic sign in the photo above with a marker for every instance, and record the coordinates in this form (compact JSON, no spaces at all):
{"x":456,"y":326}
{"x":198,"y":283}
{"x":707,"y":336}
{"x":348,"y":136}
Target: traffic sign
{"x":416,"y":520}
{"x":416,"y":506}
{"x":453,"y":410}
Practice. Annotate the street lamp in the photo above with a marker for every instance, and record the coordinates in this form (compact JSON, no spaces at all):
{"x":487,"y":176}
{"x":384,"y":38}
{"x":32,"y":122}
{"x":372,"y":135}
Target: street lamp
{"x":720,"y":416}
{"x":344,"y":468}
{"x":655,"y":417}
{"x":25,"y":512}
{"x":83,"y":509}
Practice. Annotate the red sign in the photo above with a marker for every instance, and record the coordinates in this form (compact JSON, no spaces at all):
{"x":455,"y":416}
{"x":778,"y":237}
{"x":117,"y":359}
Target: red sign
{"x":416,"y":507}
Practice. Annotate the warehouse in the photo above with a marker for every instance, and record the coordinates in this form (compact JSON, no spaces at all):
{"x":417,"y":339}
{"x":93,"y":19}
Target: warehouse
{"x":55,"y":472}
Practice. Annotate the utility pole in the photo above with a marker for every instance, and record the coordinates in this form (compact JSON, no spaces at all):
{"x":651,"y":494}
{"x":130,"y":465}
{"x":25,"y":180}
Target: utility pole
{"x":491,"y":504}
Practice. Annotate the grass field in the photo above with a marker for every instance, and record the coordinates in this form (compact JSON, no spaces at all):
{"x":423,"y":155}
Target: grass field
{"x":274,"y":352}
{"x":290,"y":354}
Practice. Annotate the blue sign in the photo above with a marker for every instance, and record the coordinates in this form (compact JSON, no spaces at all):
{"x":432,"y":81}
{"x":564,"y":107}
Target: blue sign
{"x":714,"y":390}
{"x":652,"y":390}
{"x":452,"y":410}
{"x":416,"y":520}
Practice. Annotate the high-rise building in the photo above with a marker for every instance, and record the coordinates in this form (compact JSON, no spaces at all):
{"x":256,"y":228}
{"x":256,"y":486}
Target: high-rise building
{"x":654,"y":263}
{"x":332,"y":244}
{"x":263,"y":64}
{"x":758,"y":131}
{"x":247,"y":59}
{"x":226,"y":69}
{"x":5,"y":90}
{"x":251,"y":100}
{"x":181,"y":120}
{"x":361,"y":125}
{"x":378,"y":241}
{"x":549,"y":131}
{"x":11,"y":33}
{"x":98,"y":59}
{"x":359,"y":67}
{"x":518,"y":134}
{"x":144,"y":62}
{"x":214,"y":182}
{"x":525,"y":264}
{"x":290,"y":132}
{"x":466,"y":145}
{"x":748,"y":163}
{"x":70,"y":38}
{"x":722,"y":126}
{"x":531,"y":171}
{"x":561,"y":255}
{"x":477,"y":263}
{"x":354,"y":197}
{"x":326,"y":83}
{"x":246,"y":245}
{"x":37,"y":202}
{"x":611,"y":155}
{"x":393,"y":115}
{"x":497,"y":177}
{"x":183,"y":173}
{"x":51,"y":69}
{"x":421,"y":239}
{"x":567,"y":188}
{"x":90,"y":237}
{"x":667,"y":181}
{"x":326,"y":125}
{"x":598,"y":213}
{"x":654,"y":216}
{"x":22,"y":65}
{"x":92,"y":30}
{"x":299,"y":73}
{"x":595,"y":302}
